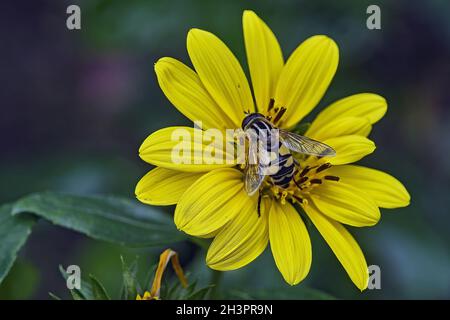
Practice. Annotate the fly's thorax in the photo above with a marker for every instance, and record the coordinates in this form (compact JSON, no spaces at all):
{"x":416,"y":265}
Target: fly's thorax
{"x":250,"y":118}
{"x":263,"y":141}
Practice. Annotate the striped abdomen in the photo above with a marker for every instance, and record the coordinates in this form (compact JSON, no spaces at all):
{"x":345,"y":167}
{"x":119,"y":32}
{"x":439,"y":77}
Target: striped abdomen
{"x":286,"y":167}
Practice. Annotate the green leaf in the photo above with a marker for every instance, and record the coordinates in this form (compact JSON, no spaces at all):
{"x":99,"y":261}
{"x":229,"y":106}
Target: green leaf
{"x":77,"y":295}
{"x":106,"y":218}
{"x":130,"y":284}
{"x":98,"y":289}
{"x":54,"y":296}
{"x":84,"y":293}
{"x":14,"y":232}
{"x":200,"y":294}
{"x":288,"y":293}
{"x":22,"y":281}
{"x":172,"y":292}
{"x":191,"y":288}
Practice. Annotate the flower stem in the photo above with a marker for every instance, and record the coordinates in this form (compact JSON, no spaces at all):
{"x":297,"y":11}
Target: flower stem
{"x":216,"y":280}
{"x":216,"y":276}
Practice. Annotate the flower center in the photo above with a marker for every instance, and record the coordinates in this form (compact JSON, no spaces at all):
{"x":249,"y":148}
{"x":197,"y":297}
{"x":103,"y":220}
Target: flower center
{"x":301,"y":185}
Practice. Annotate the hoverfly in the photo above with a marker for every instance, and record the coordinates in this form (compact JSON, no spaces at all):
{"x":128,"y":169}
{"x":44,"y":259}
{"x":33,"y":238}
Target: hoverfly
{"x":270,"y":153}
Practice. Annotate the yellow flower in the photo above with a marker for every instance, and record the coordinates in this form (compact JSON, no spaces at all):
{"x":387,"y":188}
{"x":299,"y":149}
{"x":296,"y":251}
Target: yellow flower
{"x":210,"y":197}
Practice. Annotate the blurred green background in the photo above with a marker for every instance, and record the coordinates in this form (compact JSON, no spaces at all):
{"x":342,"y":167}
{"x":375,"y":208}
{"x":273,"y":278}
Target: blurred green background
{"x":76,"y":106}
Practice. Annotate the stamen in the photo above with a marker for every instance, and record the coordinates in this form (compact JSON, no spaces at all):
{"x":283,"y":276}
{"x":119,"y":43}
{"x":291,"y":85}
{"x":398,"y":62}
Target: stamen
{"x":323,"y":167}
{"x":305,"y":171}
{"x":298,"y":199}
{"x":276,"y":191}
{"x":300,"y":182}
{"x":316,"y":181}
{"x":303,"y":179}
{"x":271,"y":104}
{"x":332,"y":178}
{"x":279,"y":114}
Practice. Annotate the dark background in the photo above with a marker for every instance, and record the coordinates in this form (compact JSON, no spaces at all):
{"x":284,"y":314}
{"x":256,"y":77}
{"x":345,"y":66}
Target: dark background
{"x":76,"y":105}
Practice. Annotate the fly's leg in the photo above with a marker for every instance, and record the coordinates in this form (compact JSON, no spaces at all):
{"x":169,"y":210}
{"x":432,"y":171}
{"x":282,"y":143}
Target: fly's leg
{"x":259,"y":205}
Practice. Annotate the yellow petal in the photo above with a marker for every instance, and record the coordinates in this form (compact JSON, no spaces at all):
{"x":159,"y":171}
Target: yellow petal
{"x":348,"y":149}
{"x":163,"y":186}
{"x":183,"y":88}
{"x":343,"y":245}
{"x":365,"y":105}
{"x":305,"y":78}
{"x":186,"y":149}
{"x":264,"y":56}
{"x":385,"y":190}
{"x":220,"y":73}
{"x":289,"y":242}
{"x":346,"y":204}
{"x":242,"y":239}
{"x":341,"y":126}
{"x":213,"y":200}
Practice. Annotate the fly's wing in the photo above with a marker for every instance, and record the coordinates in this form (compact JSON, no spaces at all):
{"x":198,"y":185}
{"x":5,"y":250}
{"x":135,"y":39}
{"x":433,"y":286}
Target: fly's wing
{"x":253,"y":178}
{"x":257,"y":153}
{"x":304,"y":145}
{"x":253,"y":173}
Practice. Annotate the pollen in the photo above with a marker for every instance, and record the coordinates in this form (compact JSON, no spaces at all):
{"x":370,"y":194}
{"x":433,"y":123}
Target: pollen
{"x":284,"y":194}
